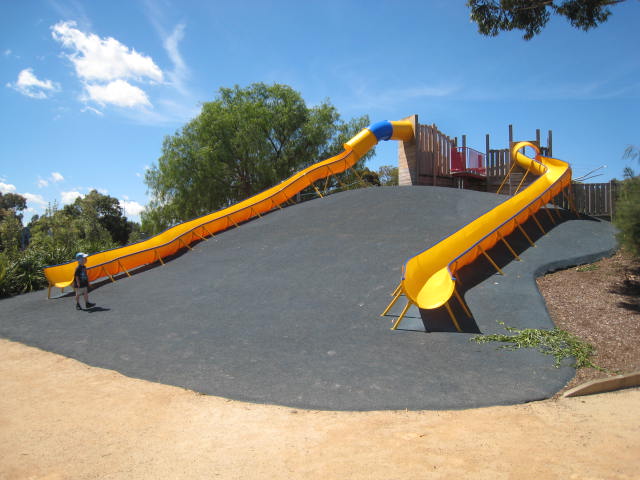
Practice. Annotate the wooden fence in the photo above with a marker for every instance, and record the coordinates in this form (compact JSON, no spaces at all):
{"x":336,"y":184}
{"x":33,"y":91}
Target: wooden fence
{"x":429,"y":163}
{"x":433,"y":156}
{"x":595,"y":199}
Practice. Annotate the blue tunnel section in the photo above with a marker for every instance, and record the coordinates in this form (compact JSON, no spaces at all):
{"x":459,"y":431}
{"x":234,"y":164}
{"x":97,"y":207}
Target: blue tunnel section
{"x":382,"y":130}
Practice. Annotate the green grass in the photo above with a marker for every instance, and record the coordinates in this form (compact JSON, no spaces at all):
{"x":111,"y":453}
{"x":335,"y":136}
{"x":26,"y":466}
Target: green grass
{"x":588,"y":268}
{"x":558,"y":343}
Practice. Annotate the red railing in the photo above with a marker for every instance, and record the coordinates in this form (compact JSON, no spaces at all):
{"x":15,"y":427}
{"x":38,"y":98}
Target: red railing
{"x":468,"y":160}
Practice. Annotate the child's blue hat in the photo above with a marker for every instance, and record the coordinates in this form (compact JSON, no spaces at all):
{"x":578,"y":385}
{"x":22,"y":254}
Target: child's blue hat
{"x":81,"y":255}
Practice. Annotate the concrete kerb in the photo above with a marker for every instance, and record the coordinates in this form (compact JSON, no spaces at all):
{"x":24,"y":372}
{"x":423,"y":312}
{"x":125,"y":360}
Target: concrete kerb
{"x":602,"y":385}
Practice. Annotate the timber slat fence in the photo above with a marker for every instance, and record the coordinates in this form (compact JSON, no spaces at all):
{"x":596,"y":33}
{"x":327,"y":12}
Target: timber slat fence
{"x":595,"y":199}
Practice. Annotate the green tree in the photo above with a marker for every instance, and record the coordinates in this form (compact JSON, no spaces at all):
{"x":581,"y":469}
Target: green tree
{"x":10,"y":228}
{"x":96,"y":210}
{"x":243,"y":142}
{"x":11,"y":221}
{"x":388,"y":175}
{"x":627,"y":212}
{"x":11,"y":204}
{"x":531,"y":16}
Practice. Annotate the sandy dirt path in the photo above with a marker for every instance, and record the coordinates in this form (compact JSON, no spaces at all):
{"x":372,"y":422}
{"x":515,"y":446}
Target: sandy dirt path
{"x":60,"y":419}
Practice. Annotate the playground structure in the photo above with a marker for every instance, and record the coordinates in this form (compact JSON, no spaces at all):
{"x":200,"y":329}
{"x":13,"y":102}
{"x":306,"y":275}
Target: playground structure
{"x":428,"y":279}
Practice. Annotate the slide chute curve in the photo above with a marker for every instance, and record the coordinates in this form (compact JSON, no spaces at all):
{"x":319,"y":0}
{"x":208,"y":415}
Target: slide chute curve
{"x":428,"y":278}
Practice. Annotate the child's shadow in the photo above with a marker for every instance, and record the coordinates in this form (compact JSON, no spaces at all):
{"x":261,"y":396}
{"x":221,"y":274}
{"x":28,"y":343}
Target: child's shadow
{"x":97,"y":309}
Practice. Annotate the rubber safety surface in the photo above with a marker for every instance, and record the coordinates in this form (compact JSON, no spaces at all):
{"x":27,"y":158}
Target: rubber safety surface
{"x":285,"y":309}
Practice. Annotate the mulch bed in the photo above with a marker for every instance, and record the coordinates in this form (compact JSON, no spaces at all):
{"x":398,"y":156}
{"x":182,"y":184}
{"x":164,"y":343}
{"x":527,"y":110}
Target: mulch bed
{"x":599,"y":303}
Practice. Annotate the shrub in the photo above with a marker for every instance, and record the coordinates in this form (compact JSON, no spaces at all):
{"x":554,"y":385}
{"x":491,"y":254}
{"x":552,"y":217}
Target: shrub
{"x":627,"y":215}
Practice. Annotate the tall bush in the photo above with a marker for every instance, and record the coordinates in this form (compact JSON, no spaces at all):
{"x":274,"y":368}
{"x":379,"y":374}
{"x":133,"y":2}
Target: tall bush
{"x":627,"y":215}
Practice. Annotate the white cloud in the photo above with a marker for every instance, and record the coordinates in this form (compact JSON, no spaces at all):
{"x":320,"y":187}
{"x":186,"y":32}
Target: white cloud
{"x":93,"y":110}
{"x":69,"y":197}
{"x":31,"y":86}
{"x":35,"y":198}
{"x":7,"y":188}
{"x":56,"y":177}
{"x":104,"y":59}
{"x":7,"y":52}
{"x":42,"y":183}
{"x":180,"y":71}
{"x":120,"y":93}
{"x":131,"y":208}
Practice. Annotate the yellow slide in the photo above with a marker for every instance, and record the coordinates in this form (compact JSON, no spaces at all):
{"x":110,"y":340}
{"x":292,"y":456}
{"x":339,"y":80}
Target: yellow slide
{"x":120,"y":260}
{"x":428,"y":279}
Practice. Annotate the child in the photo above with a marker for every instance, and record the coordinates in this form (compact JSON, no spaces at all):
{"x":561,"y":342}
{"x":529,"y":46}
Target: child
{"x":81,"y":281}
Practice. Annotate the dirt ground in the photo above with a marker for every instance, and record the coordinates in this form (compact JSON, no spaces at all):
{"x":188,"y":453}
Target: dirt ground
{"x":61,"y":419}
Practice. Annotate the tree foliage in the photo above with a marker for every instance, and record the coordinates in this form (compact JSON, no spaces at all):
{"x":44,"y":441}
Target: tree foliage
{"x":91,"y":224}
{"x":243,"y":142}
{"x":388,"y":175}
{"x":627,"y":213}
{"x":531,"y":16}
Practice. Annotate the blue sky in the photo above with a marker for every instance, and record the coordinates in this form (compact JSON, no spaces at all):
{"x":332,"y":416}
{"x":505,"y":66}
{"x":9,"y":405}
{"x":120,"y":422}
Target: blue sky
{"x":89,"y":89}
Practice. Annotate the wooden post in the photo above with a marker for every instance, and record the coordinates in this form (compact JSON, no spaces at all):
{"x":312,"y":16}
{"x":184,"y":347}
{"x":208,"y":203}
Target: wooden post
{"x":510,"y":135}
{"x":550,"y":143}
{"x":464,"y":141}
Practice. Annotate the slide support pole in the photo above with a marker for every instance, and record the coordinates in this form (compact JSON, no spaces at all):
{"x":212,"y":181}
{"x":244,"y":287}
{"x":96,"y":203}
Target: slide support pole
{"x":535,"y":219}
{"x":391,"y":304}
{"x":490,"y":260}
{"x":504,"y":240}
{"x":525,"y":234}
{"x":402,"y":314}
{"x":462,"y":302}
{"x":453,"y":317}
{"x":124,"y":269}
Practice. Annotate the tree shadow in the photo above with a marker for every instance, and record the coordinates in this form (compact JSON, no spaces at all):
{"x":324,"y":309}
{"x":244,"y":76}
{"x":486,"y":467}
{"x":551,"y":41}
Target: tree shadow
{"x":629,"y":288}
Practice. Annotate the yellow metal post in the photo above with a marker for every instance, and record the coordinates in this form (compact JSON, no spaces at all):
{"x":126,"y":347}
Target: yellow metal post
{"x":522,"y":181}
{"x":122,"y":267}
{"x":525,"y":234}
{"x":553,"y":220}
{"x":504,"y":180}
{"x":207,"y":230}
{"x":158,"y":257}
{"x":462,"y":303}
{"x":395,"y":292}
{"x":535,"y":219}
{"x":490,"y":260}
{"x":254,"y":211}
{"x":198,"y":235}
{"x":391,"y":304}
{"x":402,"y":314}
{"x":104,"y":270}
{"x":229,"y":219}
{"x":453,"y":317}
{"x":504,"y":240}
{"x":316,"y":189}
{"x":326,"y":184}
{"x":181,"y":242}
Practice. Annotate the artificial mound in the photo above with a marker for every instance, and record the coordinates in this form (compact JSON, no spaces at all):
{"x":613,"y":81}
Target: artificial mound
{"x":285,"y":309}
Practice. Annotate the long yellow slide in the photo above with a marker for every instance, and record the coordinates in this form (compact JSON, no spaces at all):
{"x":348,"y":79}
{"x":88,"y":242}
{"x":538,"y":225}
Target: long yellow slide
{"x":428,"y":279}
{"x":120,"y":260}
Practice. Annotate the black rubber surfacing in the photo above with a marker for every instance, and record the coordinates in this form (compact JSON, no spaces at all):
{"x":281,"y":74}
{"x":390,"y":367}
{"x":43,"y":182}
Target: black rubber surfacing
{"x":285,"y":309}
